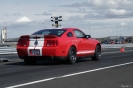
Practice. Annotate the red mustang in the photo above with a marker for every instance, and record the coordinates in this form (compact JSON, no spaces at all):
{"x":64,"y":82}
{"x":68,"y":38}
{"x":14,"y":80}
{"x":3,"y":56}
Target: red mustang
{"x":64,"y":43}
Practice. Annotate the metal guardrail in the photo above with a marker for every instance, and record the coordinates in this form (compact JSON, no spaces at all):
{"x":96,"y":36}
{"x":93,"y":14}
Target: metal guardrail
{"x":12,"y":50}
{"x":8,"y":50}
{"x":116,"y":45}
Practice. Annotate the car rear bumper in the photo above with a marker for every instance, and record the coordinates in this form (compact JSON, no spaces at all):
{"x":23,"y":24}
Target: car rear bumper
{"x":44,"y":57}
{"x":46,"y":52}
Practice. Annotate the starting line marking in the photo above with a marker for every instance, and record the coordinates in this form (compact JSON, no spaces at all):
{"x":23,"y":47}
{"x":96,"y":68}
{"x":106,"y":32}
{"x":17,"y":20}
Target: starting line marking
{"x":48,"y":79}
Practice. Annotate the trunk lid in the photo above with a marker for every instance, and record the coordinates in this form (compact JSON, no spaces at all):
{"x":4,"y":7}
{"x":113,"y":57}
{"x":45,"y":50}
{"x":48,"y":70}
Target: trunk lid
{"x":38,"y":40}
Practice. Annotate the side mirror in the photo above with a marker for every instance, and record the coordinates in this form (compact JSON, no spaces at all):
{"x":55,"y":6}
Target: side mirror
{"x":87,"y":36}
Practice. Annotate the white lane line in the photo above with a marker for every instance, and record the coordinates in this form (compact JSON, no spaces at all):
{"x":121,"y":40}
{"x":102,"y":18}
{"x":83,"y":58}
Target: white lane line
{"x":48,"y":79}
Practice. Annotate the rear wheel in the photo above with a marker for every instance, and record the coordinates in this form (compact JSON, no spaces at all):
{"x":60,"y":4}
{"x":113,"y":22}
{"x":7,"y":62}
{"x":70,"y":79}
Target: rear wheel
{"x":72,"y":55}
{"x":97,"y":53}
{"x":30,"y":61}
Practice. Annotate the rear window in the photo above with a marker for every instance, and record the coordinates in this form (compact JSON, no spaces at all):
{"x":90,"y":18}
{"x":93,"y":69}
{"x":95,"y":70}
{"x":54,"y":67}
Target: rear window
{"x":56,"y":32}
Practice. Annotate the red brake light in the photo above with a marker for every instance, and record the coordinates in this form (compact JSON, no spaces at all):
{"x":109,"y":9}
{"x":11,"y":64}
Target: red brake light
{"x":23,"y":42}
{"x":51,"y":43}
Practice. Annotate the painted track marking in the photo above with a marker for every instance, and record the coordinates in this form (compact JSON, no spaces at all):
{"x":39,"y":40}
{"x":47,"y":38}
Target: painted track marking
{"x":48,"y":79}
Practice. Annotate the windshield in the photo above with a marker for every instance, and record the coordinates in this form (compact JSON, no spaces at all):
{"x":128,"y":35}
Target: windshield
{"x":56,"y":32}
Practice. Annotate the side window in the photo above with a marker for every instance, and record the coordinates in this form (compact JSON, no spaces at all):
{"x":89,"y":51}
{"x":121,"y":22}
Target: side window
{"x":79,"y":34}
{"x":69,"y":34}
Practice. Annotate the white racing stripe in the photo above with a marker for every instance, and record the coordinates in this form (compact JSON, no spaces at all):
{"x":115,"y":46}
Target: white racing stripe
{"x":78,"y":73}
{"x":39,"y":48}
{"x":37,"y":43}
{"x":85,"y":52}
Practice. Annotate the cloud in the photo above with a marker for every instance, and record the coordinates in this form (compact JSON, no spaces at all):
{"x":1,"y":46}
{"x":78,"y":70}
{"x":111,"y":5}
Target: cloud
{"x":45,"y":13}
{"x":94,"y":16}
{"x":110,"y":30}
{"x":117,"y":4}
{"x":118,"y":12}
{"x":6,"y":14}
{"x":114,"y":13}
{"x":75,"y":18}
{"x":16,"y":14}
{"x":123,"y":24}
{"x":74,"y":5}
{"x":23,"y":19}
{"x":106,"y":8}
{"x":17,"y":29}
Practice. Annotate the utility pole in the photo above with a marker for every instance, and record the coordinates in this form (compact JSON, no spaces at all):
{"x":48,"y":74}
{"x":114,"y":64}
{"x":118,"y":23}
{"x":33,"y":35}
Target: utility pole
{"x":118,"y":34}
{"x":56,"y":20}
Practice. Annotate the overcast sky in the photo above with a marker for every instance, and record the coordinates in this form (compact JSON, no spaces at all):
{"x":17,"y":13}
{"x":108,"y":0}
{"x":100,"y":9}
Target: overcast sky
{"x":100,"y":18}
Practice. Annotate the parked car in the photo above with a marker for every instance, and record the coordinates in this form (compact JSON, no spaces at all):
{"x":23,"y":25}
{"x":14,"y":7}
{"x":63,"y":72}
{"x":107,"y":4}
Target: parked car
{"x":118,"y":42}
{"x":4,"y":45}
{"x":105,"y":42}
{"x":112,"y":42}
{"x":64,"y":44}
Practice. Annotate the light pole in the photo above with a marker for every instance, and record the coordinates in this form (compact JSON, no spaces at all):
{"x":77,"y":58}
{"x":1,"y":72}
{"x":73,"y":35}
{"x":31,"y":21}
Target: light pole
{"x":117,"y":34}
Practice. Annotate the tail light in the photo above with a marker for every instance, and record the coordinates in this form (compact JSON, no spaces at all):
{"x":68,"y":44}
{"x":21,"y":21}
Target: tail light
{"x":23,"y":42}
{"x":51,"y":43}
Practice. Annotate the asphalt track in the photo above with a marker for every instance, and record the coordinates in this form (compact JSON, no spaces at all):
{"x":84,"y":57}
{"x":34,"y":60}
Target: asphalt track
{"x":114,"y":70}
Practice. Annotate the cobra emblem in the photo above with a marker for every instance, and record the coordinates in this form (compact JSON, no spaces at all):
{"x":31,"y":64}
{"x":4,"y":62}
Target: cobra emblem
{"x":36,"y":43}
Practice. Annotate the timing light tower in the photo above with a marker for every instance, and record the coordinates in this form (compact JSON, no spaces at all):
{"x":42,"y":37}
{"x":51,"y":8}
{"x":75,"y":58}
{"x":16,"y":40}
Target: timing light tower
{"x":56,"y":20}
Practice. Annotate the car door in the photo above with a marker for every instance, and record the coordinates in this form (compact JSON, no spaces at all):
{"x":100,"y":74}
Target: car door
{"x":79,"y":39}
{"x":83,"y":44}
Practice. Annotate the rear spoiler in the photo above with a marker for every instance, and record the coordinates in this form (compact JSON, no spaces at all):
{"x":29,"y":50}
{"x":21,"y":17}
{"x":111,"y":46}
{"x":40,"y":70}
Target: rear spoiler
{"x":39,"y":36}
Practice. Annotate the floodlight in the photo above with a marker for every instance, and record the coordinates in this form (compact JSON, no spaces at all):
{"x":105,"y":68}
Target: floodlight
{"x":60,"y":20}
{"x":60,"y":16}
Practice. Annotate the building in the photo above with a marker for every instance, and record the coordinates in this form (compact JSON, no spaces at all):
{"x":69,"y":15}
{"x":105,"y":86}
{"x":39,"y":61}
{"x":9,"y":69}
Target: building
{"x":3,"y":35}
{"x":117,"y":37}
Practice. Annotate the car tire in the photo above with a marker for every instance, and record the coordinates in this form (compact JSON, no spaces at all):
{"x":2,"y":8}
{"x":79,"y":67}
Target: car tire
{"x":30,"y":61}
{"x":97,"y":54}
{"x":71,"y":57}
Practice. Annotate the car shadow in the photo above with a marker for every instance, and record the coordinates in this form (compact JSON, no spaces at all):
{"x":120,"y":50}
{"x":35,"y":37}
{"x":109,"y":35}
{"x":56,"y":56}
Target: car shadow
{"x":80,"y":60}
{"x":47,"y":62}
{"x":39,"y":63}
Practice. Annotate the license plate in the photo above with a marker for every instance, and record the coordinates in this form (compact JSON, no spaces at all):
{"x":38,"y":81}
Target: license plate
{"x":35,"y":52}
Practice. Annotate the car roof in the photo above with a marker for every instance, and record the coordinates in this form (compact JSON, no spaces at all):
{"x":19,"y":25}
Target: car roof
{"x":68,"y":28}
